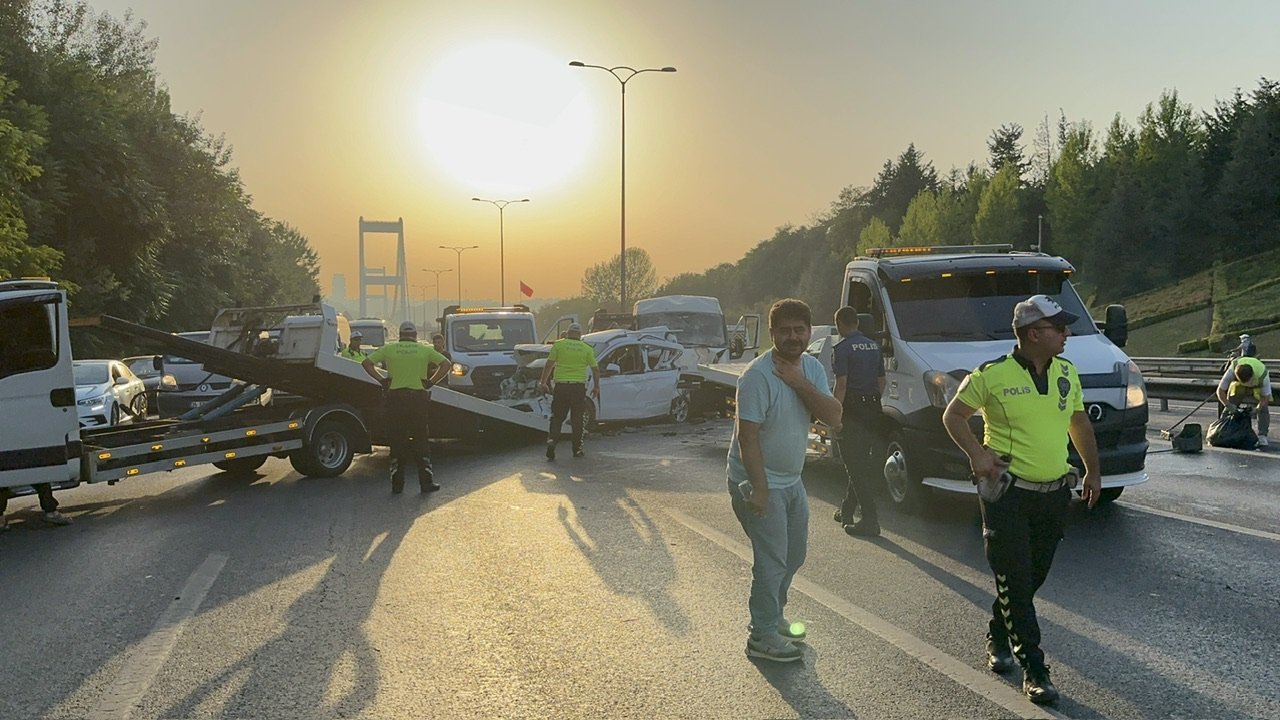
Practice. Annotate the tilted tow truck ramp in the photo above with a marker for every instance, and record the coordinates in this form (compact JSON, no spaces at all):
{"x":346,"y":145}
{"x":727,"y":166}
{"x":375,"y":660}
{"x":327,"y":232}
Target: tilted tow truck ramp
{"x":324,"y":377}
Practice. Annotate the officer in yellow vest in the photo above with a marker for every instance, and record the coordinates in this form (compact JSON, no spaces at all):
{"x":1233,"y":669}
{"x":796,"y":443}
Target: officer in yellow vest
{"x":1247,"y":381}
{"x":1031,"y":401}
{"x":567,"y":365}
{"x":407,"y":402}
{"x":352,"y":351}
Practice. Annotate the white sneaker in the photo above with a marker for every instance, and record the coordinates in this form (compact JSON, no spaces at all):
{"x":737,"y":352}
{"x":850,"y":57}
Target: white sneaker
{"x":1262,"y":441}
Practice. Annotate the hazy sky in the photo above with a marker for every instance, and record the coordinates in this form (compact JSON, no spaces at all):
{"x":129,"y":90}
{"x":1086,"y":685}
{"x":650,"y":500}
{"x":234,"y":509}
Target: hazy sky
{"x":338,"y":109}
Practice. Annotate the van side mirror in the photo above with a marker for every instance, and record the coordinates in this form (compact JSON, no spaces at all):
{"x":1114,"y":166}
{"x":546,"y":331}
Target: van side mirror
{"x":1116,"y":327}
{"x":157,"y":362}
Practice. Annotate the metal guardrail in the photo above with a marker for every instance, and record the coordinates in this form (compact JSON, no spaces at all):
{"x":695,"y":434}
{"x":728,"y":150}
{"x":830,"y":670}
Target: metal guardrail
{"x":1188,"y":378}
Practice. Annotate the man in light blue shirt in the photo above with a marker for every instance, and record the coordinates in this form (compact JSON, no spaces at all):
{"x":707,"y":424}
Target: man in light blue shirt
{"x":777,"y":395}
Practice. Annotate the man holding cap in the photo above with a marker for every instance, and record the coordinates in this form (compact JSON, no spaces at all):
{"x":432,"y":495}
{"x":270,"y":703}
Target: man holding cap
{"x":352,"y":351}
{"x":567,"y":365}
{"x":1031,"y":401}
{"x":407,"y":402}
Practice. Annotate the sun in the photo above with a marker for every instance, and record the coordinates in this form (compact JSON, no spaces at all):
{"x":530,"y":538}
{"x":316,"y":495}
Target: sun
{"x":504,"y":117}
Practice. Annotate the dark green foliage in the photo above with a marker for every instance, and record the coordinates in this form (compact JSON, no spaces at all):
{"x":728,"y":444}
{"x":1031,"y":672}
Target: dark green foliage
{"x":133,"y":208}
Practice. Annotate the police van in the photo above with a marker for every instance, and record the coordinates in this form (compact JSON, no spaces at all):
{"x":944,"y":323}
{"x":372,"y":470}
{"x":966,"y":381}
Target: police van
{"x":940,"y":312}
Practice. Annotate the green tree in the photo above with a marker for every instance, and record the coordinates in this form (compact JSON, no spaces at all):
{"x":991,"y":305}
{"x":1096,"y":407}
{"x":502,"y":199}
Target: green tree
{"x":1246,"y":203}
{"x":1004,"y":147}
{"x":921,"y":225}
{"x":1073,"y":194}
{"x":601,"y":283}
{"x":999,"y":218}
{"x":17,"y":144}
{"x":875,"y":234}
{"x":898,"y":183}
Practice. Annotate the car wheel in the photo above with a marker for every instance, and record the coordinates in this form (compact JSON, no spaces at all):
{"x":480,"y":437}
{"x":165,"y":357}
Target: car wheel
{"x":589,"y":416}
{"x":1110,"y":494}
{"x":113,"y":418}
{"x":903,"y":481}
{"x":140,"y":406}
{"x":680,"y":407}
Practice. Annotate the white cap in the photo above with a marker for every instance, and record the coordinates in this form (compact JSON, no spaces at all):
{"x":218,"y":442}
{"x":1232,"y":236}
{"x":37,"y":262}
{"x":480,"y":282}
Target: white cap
{"x":1041,"y":307}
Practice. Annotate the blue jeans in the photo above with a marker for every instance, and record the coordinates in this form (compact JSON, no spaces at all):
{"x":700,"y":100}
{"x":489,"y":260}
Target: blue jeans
{"x":779,"y":542}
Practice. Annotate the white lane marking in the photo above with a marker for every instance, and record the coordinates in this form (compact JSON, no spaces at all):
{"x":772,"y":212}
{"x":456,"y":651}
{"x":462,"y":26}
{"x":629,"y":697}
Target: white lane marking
{"x":980,"y":683}
{"x":1201,"y":521}
{"x":144,"y":663}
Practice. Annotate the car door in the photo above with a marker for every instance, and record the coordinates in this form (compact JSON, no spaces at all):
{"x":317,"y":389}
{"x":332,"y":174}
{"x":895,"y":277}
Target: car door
{"x":621,"y":384}
{"x":660,"y":380}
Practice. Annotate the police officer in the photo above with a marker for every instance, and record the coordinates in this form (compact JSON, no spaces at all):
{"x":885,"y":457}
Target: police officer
{"x":407,"y":402}
{"x":1031,"y":402}
{"x":859,"y":375}
{"x":352,"y":351}
{"x":567,"y":365}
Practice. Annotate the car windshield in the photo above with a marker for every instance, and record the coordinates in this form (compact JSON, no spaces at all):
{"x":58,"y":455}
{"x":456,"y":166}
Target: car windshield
{"x":197,"y":336}
{"x":691,"y":329}
{"x":371,"y":335}
{"x":977,"y":307}
{"x":491,"y":335}
{"x":91,"y":373}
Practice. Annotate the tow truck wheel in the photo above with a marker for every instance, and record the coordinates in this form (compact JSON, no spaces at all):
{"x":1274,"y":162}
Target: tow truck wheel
{"x":1110,"y":494}
{"x":329,"y":452}
{"x":680,"y":407}
{"x":904,"y":483}
{"x":244,"y":465}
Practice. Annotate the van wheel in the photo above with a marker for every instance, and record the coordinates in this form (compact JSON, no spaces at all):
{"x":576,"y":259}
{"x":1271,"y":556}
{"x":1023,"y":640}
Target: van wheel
{"x":680,"y":407}
{"x":241,"y":465}
{"x":901,"y":478}
{"x":1110,"y":494}
{"x":328,"y":453}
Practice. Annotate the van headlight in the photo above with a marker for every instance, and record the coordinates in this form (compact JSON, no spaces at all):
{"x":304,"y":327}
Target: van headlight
{"x":940,"y":387}
{"x":458,"y":370}
{"x":1135,"y":390}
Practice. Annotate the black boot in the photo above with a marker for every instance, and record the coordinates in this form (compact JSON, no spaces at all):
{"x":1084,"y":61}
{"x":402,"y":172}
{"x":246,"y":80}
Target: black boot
{"x":999,"y":659}
{"x":426,"y":480}
{"x":1037,"y":686}
{"x":551,"y":449}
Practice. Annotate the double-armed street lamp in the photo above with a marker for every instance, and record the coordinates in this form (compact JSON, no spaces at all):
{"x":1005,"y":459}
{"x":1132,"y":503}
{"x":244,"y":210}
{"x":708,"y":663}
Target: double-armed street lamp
{"x":623,"y":74}
{"x":459,"y":249}
{"x":437,"y":272}
{"x":502,"y":267}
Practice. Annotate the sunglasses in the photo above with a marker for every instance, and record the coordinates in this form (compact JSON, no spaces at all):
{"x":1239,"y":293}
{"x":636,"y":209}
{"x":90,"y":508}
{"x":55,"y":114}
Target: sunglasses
{"x":1061,"y":329}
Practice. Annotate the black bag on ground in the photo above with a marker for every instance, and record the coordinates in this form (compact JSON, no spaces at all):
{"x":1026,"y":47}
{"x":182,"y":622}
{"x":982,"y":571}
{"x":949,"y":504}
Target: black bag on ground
{"x":1233,"y":430}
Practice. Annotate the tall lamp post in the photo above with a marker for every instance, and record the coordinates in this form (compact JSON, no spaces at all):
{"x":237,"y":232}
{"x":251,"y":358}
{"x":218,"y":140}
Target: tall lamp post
{"x":502,"y":267}
{"x":437,"y":272}
{"x":623,"y":73}
{"x":459,"y":249}
{"x":424,"y":289}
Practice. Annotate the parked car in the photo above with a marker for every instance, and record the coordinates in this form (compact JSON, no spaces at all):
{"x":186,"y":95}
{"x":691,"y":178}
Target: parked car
{"x":150,"y":369}
{"x":193,"y":385}
{"x":639,"y":378}
{"x":107,"y":392}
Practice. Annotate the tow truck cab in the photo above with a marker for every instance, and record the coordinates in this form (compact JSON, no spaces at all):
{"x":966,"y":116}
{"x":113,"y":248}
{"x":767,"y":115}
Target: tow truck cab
{"x":37,"y":384}
{"x":940,"y":312}
{"x":481,"y":343}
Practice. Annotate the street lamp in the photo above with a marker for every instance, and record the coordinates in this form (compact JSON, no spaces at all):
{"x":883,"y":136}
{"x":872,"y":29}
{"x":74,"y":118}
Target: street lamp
{"x":424,"y":289}
{"x":502,"y":268}
{"x":623,"y":74}
{"x":437,"y":272}
{"x":459,"y":249}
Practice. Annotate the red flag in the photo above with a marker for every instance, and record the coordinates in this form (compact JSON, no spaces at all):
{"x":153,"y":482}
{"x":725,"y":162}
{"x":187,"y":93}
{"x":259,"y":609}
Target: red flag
{"x":528,"y":291}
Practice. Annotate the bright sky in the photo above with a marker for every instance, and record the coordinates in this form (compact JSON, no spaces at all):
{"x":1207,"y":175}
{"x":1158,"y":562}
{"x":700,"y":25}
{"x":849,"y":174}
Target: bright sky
{"x":409,"y":108}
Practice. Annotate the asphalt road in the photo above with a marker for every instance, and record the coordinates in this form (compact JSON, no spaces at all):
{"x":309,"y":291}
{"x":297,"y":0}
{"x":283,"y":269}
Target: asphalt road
{"x":616,"y":586}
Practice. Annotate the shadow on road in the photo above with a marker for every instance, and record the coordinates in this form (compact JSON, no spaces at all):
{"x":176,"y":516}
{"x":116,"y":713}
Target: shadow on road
{"x":798,"y":685}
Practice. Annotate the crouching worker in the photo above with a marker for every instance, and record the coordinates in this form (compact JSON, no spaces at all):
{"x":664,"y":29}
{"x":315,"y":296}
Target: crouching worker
{"x":1247,"y":382}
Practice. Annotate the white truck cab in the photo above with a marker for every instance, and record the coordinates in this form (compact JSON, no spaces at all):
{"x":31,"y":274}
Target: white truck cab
{"x":37,"y":384}
{"x":940,"y":312}
{"x":374,"y":332}
{"x":481,"y":344}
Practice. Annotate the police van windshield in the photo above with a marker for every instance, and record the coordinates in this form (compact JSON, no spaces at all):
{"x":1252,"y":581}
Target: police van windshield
{"x":691,"y":329}
{"x":490,"y":335}
{"x":976,"y":306}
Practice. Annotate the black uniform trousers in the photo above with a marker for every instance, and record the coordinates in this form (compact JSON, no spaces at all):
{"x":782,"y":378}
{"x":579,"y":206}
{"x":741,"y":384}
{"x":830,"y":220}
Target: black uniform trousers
{"x":568,"y":399}
{"x":406,"y":413}
{"x":1021,"y":533}
{"x":859,"y":441}
{"x":48,"y":503}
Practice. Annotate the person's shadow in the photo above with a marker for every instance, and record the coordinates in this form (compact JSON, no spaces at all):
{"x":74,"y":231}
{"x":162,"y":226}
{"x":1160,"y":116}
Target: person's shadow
{"x":798,"y":685}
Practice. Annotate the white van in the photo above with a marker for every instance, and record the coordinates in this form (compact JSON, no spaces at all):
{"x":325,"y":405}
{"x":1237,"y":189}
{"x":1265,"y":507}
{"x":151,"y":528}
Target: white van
{"x":940,"y":312}
{"x":481,"y":344}
{"x":374,"y":332}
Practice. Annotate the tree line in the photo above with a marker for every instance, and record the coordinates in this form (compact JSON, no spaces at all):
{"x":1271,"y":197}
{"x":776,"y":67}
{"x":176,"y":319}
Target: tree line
{"x":1132,"y":207}
{"x":135,"y":209}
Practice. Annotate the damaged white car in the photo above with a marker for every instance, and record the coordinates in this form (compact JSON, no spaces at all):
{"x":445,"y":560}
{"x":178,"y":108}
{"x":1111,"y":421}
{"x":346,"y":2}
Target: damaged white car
{"x":639,"y":378}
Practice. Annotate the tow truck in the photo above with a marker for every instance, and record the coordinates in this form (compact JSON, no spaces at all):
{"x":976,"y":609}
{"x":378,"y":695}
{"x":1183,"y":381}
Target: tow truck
{"x":327,"y":410}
